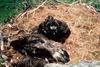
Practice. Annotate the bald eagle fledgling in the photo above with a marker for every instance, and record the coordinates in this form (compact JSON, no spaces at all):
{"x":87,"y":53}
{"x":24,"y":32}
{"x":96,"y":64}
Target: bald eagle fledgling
{"x":39,"y":47}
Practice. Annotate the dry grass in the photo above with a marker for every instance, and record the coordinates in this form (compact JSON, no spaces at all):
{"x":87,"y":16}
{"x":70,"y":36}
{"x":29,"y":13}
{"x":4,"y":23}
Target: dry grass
{"x":84,"y":23}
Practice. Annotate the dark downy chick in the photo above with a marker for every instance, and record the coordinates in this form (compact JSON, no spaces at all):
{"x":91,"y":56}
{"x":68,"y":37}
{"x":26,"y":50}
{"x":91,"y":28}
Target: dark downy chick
{"x":54,"y":29}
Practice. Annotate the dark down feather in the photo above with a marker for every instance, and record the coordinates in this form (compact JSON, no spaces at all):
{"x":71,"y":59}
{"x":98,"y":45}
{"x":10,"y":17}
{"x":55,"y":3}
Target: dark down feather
{"x":54,"y":29}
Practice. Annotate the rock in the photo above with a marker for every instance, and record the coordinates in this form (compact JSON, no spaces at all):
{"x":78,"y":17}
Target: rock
{"x":80,"y":64}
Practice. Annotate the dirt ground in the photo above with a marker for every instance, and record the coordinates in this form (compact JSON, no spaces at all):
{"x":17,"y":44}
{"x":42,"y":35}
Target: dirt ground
{"x":83,"y":21}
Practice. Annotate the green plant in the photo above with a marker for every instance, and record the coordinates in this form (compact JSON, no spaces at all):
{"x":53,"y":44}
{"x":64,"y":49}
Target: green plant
{"x":66,"y":1}
{"x":8,"y":8}
{"x":94,"y":3}
{"x":1,"y":61}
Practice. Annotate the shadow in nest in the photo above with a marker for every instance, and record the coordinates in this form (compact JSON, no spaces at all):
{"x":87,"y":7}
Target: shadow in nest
{"x":53,"y":29}
{"x":30,"y":62}
{"x":38,"y":48}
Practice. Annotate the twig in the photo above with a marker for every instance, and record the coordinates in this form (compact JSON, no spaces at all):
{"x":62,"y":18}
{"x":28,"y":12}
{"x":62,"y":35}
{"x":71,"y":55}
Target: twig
{"x":39,"y":6}
{"x":32,"y":10}
{"x":1,"y":41}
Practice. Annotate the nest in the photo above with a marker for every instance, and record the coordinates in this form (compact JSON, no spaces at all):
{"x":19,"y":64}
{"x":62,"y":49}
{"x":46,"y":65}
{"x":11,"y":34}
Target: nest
{"x":36,"y":47}
{"x":83,"y":22}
